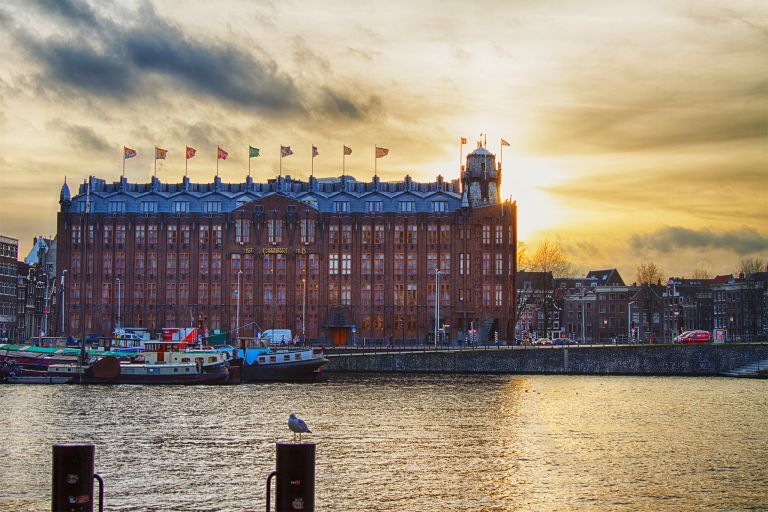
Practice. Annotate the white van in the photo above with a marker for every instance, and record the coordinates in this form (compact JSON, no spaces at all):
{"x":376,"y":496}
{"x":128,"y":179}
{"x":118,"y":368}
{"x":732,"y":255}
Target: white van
{"x":278,"y":336}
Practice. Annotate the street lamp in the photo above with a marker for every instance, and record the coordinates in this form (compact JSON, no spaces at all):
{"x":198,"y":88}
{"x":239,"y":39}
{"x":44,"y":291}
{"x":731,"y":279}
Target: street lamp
{"x":303,"y":309}
{"x":118,"y":303}
{"x":63,"y":296}
{"x":437,"y":302}
{"x":237,"y":309}
{"x":629,"y":320}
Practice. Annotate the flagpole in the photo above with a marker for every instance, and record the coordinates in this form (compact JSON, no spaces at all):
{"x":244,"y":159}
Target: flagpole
{"x":123,"y":175}
{"x":375,"y":162}
{"x":343,"y":161}
{"x":461,"y":155}
{"x":217,"y":162}
{"x":501,"y":152}
{"x":281,"y":162}
{"x":312,"y":167}
{"x":249,"y":161}
{"x":155,"y":162}
{"x":186,"y":162}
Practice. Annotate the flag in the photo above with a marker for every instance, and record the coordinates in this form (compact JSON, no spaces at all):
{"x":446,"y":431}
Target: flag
{"x":222,"y":154}
{"x":347,"y":151}
{"x":190,"y":152}
{"x":253,"y":152}
{"x":380,"y":152}
{"x":285,"y":151}
{"x":463,"y":140}
{"x":504,"y":143}
{"x":315,"y":152}
{"x":160,"y":154}
{"x":128,"y":152}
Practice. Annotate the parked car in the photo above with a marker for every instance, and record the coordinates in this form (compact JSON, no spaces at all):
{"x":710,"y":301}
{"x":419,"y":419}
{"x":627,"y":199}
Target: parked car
{"x":694,"y":337}
{"x":542,"y":341}
{"x":565,"y":341}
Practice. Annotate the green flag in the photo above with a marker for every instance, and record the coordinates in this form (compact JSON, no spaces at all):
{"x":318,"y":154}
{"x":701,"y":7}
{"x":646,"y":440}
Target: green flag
{"x":252,"y":151}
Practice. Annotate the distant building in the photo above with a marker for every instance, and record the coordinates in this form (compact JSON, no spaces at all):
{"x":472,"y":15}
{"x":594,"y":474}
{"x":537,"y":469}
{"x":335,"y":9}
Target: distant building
{"x":9,"y":252}
{"x":335,"y":257}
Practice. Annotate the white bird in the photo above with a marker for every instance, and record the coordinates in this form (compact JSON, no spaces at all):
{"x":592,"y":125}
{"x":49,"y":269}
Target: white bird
{"x":297,"y":426}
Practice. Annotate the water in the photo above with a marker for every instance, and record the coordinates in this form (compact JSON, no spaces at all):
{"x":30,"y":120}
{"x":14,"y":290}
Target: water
{"x":406,"y":443}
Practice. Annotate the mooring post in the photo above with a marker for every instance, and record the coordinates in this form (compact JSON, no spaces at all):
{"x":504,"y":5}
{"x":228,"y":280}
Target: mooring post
{"x":295,"y":471}
{"x":73,"y":476}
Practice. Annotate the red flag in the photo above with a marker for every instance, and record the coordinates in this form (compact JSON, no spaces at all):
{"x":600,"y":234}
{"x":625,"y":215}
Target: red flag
{"x":285,"y":151}
{"x":222,"y":154}
{"x":190,"y":152}
{"x":463,"y":140}
{"x":504,"y":143}
{"x":381,"y":152}
{"x":347,"y":151}
{"x":128,"y":152}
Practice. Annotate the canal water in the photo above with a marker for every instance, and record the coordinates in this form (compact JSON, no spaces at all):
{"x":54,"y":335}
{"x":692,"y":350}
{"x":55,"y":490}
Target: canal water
{"x":405,"y":443}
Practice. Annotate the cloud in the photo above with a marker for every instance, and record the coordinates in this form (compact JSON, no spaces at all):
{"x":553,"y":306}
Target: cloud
{"x":743,"y":241}
{"x":118,"y":60}
{"x":82,"y":137}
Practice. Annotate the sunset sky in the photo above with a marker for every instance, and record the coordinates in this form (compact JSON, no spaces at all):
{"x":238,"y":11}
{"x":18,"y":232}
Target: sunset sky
{"x":638,"y":130}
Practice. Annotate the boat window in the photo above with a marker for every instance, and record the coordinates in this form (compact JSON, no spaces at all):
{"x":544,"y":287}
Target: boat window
{"x":185,"y":360}
{"x":272,"y":359}
{"x":287,"y":357}
{"x":175,"y":369}
{"x":261,"y":359}
{"x":298,"y":356}
{"x":211,"y":359}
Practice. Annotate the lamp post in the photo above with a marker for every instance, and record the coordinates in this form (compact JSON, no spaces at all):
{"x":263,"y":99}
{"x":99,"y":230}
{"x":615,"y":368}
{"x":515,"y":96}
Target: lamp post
{"x":63,"y":296}
{"x":437,"y":302}
{"x":303,"y":309}
{"x":237,"y":308}
{"x":629,"y":320}
{"x":118,"y":303}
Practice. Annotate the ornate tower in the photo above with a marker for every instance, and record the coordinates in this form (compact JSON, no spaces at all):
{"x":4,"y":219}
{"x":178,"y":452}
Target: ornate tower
{"x":64,"y":197}
{"x":481,"y":180}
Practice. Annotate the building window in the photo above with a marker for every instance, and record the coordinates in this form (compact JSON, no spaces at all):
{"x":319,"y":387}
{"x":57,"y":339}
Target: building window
{"x":242,"y":231}
{"x":410,"y":234}
{"x":499,"y":233}
{"x":75,"y":234}
{"x":216,"y":263}
{"x":378,"y":234}
{"x":149,"y":207}
{"x":314,"y":264}
{"x":411,"y":294}
{"x":432,"y":234}
{"x":378,"y":263}
{"x":173,"y":234}
{"x":152,"y":234}
{"x":281,"y":262}
{"x":346,"y":294}
{"x":236,"y":264}
{"x":486,"y":264}
{"x":412,"y":262}
{"x":439,"y":206}
{"x":340,"y":206}
{"x":378,"y":296}
{"x":374,"y":206}
{"x":275,"y":231}
{"x":399,"y":264}
{"x":445,"y":234}
{"x":205,"y":235}
{"x":333,"y":263}
{"x":181,"y":207}
{"x":445,"y":263}
{"x":333,"y":294}
{"x":399,"y":295}
{"x":267,"y":294}
{"x":407,"y":206}
{"x":486,"y":295}
{"x":212,"y":206}
{"x":307,"y":231}
{"x":333,"y":234}
{"x":499,"y":296}
{"x":365,"y":295}
{"x":366,"y":235}
{"x":499,"y":265}
{"x":117,"y":207}
{"x":486,"y":234}
{"x":365,"y":264}
{"x":346,"y":234}
{"x":431,"y":263}
{"x":269,"y":264}
{"x":346,"y":264}
{"x":108,"y":234}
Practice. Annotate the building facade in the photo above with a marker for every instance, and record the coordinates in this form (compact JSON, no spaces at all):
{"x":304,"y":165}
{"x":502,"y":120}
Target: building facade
{"x":9,"y":253}
{"x":330,"y":258}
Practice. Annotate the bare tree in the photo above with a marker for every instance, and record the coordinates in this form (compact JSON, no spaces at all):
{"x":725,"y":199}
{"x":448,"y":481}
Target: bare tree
{"x":551,"y":262}
{"x":701,"y":273}
{"x":522,"y":256}
{"x":750,"y":266}
{"x":648,"y":273}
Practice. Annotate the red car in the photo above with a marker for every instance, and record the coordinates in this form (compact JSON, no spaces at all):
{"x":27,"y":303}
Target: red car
{"x":695,"y":337}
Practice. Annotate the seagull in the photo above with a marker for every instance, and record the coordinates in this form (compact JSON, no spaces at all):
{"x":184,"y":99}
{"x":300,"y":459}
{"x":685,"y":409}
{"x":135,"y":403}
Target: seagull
{"x":297,"y":426}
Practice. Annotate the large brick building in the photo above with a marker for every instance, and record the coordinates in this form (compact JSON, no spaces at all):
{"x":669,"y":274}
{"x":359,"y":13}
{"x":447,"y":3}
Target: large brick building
{"x":328,"y":257}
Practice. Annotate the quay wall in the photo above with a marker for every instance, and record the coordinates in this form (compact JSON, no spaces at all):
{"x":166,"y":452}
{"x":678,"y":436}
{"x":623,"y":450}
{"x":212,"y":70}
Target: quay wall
{"x":589,"y":360}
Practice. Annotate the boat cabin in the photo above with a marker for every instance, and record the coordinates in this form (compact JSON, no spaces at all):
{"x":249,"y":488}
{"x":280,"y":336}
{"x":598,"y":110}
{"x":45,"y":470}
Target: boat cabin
{"x":164,"y":352}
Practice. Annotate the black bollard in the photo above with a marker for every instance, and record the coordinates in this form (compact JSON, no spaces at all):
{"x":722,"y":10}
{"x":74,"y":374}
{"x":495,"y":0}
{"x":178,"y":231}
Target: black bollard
{"x":295,"y":477}
{"x":73,"y":476}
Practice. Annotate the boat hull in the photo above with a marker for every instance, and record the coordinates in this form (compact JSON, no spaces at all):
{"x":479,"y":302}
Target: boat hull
{"x":310,"y":370}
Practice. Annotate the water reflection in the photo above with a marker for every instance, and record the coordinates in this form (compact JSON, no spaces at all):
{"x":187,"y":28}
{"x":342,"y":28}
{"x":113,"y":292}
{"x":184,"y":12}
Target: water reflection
{"x":405,"y":443}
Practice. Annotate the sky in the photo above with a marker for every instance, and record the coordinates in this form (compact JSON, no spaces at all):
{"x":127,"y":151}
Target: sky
{"x":638,"y":131}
